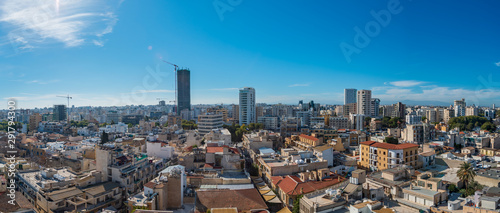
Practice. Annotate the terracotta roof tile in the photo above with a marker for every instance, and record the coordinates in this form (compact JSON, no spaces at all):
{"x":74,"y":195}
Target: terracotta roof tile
{"x":368,"y":142}
{"x":215,"y":149}
{"x":308,"y":137}
{"x":150,"y":185}
{"x":394,"y":146}
{"x":243,"y":199}
{"x":292,"y":185}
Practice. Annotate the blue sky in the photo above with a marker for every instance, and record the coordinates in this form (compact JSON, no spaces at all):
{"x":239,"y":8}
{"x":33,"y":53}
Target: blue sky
{"x":110,"y":52}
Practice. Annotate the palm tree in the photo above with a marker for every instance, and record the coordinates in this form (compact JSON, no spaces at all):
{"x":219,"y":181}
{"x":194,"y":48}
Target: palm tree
{"x":466,"y":174}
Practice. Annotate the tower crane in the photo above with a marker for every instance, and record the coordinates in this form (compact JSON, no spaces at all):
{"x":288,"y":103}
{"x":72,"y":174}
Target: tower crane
{"x":175,"y":83}
{"x":67,"y":110}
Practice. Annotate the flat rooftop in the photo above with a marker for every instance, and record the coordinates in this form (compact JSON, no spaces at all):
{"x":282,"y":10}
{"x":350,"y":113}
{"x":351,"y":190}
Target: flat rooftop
{"x":490,"y":173}
{"x":422,"y":191}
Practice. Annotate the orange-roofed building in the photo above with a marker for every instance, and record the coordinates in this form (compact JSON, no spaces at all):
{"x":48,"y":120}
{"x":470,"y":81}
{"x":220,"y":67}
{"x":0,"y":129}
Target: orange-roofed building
{"x":306,"y":141}
{"x":380,"y":156}
{"x":290,"y":187}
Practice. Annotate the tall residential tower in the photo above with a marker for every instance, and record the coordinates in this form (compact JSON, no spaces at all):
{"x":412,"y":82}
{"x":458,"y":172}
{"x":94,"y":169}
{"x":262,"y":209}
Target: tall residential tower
{"x":247,"y":105}
{"x":364,"y":103}
{"x":349,"y":96}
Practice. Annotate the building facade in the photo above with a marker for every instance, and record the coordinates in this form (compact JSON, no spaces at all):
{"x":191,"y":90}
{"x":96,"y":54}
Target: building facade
{"x":350,"y":96}
{"x":380,"y":156}
{"x":364,"y":105}
{"x":183,"y":90}
{"x":247,"y":106}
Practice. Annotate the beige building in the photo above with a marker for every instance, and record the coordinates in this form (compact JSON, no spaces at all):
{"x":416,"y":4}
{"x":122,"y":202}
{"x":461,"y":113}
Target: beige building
{"x":34,"y":120}
{"x":380,"y":156}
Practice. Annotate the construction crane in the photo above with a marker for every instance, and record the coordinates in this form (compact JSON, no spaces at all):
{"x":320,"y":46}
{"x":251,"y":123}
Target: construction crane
{"x":67,"y":110}
{"x":175,"y":82}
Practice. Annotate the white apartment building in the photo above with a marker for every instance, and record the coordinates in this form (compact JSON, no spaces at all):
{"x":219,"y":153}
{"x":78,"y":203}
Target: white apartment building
{"x":208,"y":122}
{"x":364,"y":104}
{"x":471,"y":111}
{"x":339,"y":123}
{"x":459,"y":106}
{"x":269,"y":122}
{"x":247,"y":105}
{"x":356,"y":121}
{"x":375,"y":105}
{"x":413,"y":119}
{"x":159,"y":149}
{"x":115,"y":128}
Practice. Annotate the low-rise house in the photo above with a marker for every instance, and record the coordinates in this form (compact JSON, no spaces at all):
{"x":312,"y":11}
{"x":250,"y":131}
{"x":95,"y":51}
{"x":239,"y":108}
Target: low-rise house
{"x":159,"y":149}
{"x":290,"y":187}
{"x":488,"y":177}
{"x":369,"y":207}
{"x":328,"y":200}
{"x":469,"y":150}
{"x":428,"y":190}
{"x":423,"y":196}
{"x":244,"y":200}
{"x":391,"y":180}
{"x":488,"y":151}
{"x":289,"y":164}
{"x":426,"y":159}
{"x":325,"y":153}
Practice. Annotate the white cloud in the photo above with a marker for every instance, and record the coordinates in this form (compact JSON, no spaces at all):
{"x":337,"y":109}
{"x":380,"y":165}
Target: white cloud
{"x":35,"y":23}
{"x":498,"y":64}
{"x":441,"y":94}
{"x":98,"y":43}
{"x":409,"y":83}
{"x":299,"y":85}
{"x":41,"y":82}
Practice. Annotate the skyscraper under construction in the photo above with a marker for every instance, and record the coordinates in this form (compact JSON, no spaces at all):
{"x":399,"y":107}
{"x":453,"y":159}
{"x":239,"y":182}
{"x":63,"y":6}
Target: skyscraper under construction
{"x":183,"y":90}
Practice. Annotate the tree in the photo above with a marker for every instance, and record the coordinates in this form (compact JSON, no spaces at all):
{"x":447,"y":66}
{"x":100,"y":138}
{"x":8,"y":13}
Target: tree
{"x":452,"y":188}
{"x":391,"y":140}
{"x":253,"y":170}
{"x":188,"y":125}
{"x":467,"y":123}
{"x":130,"y":125}
{"x":296,"y":204}
{"x":466,"y":174}
{"x":104,"y":137}
{"x":424,"y":118}
{"x":489,"y":126}
{"x":113,"y":122}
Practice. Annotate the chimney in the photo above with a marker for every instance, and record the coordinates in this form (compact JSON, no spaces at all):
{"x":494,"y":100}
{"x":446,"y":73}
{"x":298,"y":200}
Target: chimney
{"x":338,"y":178}
{"x":301,"y":190}
{"x":411,"y":186}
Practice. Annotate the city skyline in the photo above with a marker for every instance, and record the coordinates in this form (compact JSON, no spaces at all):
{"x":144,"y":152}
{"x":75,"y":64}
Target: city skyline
{"x":107,"y":59}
